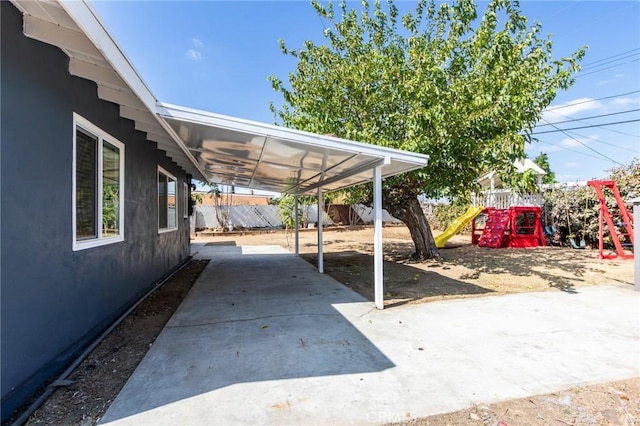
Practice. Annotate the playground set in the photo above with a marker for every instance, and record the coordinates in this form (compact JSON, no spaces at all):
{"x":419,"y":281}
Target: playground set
{"x":521,"y":226}
{"x":515,"y":227}
{"x":619,"y":232}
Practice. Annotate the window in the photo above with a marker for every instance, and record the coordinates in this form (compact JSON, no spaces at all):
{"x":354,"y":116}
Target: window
{"x":98,"y":186}
{"x":167,"y":202}
{"x":185,"y":200}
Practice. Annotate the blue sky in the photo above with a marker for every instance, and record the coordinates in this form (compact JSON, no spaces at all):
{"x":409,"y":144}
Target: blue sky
{"x":216,"y":56}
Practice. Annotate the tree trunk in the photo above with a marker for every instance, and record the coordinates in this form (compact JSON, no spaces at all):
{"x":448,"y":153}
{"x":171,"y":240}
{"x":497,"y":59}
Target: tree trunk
{"x":411,"y":214}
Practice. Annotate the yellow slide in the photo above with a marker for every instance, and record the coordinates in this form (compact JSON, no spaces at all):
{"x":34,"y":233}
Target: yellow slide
{"x":457,"y":225}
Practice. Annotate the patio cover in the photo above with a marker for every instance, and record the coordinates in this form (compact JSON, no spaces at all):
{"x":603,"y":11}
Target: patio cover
{"x":239,"y":152}
{"x":208,"y":146}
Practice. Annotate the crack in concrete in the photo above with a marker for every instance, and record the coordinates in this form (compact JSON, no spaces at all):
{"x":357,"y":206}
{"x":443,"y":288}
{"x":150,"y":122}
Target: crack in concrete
{"x":250,"y":319}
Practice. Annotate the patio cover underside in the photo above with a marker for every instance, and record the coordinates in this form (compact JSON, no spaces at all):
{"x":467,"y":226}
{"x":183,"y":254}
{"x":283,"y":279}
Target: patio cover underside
{"x":243,"y":153}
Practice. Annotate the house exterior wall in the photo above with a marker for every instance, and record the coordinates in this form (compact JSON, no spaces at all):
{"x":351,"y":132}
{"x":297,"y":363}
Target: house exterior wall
{"x":55,"y":300}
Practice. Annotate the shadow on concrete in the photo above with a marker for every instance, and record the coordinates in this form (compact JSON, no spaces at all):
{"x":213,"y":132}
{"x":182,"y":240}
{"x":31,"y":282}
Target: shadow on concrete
{"x":249,"y":318}
{"x":222,"y":243}
{"x":403,"y":283}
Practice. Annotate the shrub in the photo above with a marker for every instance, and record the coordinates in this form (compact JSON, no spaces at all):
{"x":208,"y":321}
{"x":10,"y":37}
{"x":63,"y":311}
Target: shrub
{"x":578,"y":209}
{"x":444,"y":214}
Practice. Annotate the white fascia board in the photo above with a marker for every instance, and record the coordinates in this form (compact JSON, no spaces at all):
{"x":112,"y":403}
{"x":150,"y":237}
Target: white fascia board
{"x":254,"y":127}
{"x":87,"y":20}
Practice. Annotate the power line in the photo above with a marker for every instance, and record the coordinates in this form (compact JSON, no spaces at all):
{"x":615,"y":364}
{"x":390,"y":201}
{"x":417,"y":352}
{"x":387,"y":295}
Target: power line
{"x":569,"y":149}
{"x":607,"y":68}
{"x":635,"y":151}
{"x":548,"y":18}
{"x":608,"y":59}
{"x":589,"y":68}
{"x":587,"y":146}
{"x":590,"y":24}
{"x":587,"y":118}
{"x":592,"y":100}
{"x":586,"y":122}
{"x":587,"y":127}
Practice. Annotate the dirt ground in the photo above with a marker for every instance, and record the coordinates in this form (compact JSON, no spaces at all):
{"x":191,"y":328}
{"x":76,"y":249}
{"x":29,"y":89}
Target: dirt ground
{"x":605,"y":404}
{"x":466,"y":271}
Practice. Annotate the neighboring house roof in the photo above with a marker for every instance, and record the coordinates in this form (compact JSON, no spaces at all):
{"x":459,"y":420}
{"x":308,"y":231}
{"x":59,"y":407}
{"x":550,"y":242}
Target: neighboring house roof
{"x":526,"y":164}
{"x":231,"y":151}
{"x":521,"y":166}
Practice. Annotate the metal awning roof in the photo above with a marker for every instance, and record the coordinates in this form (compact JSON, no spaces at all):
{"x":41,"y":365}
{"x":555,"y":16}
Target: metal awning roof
{"x":256,"y":155}
{"x":208,"y":146}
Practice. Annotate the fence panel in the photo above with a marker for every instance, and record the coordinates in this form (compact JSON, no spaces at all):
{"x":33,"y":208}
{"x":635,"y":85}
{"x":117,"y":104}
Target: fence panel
{"x":504,"y":198}
{"x":249,"y":217}
{"x":312,"y":214}
{"x":366,"y":214}
{"x":257,"y":217}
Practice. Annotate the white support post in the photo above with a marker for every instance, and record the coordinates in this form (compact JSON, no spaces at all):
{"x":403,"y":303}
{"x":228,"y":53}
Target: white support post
{"x":377,"y":238}
{"x":296,"y":225}
{"x":636,"y":242}
{"x":320,"y":220}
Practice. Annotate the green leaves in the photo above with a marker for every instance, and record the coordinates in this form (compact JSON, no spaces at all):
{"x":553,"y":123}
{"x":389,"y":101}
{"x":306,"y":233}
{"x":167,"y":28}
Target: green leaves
{"x":442,"y":80}
{"x":542,"y":160}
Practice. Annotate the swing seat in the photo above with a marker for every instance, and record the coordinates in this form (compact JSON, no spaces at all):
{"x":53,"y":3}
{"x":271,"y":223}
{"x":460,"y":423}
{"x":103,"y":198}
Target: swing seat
{"x":548,"y":231}
{"x":582,"y":246}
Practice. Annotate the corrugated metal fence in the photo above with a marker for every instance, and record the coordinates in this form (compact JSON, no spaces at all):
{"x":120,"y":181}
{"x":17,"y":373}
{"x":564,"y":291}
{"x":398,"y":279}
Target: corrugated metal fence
{"x":265,"y":217}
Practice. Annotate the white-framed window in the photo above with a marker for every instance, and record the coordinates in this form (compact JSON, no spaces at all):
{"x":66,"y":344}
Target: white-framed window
{"x":185,"y":200}
{"x":98,"y":186}
{"x":167,"y":201}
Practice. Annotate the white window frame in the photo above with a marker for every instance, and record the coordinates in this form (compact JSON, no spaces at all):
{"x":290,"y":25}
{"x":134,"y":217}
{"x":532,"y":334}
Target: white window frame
{"x":185,"y":200}
{"x":170,"y":176}
{"x":102,"y":136}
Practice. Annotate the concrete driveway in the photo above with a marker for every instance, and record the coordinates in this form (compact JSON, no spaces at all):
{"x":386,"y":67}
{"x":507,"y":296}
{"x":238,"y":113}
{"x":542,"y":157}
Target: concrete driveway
{"x":262,"y":338}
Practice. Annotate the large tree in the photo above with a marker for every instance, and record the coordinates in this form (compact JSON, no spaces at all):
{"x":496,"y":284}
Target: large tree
{"x":439,"y":80}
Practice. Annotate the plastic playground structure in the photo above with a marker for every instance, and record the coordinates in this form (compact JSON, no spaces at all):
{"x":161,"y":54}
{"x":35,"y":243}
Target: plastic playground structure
{"x":512,"y":220}
{"x":457,"y":225}
{"x":515,"y":227}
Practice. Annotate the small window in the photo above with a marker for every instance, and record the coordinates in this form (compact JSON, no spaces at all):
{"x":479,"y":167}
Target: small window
{"x":98,"y":186}
{"x":185,"y":200}
{"x":167,"y":202}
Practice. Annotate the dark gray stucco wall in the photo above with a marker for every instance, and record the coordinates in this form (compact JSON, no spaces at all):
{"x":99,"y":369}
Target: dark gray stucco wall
{"x":55,"y":300}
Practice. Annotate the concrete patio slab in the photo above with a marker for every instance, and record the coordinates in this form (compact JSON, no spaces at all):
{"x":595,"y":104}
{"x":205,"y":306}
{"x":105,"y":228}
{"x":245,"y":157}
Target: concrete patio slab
{"x":262,"y":338}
